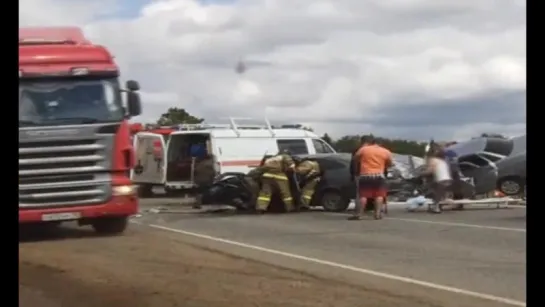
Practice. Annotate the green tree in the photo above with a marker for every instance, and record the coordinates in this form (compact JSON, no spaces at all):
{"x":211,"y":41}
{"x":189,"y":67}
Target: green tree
{"x":327,"y":139}
{"x":349,"y":143}
{"x":403,"y":147}
{"x":174,"y":116}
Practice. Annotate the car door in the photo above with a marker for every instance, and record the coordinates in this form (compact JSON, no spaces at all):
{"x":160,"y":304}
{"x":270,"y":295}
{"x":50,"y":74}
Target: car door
{"x":150,"y":158}
{"x":480,"y":170}
{"x":336,"y":175}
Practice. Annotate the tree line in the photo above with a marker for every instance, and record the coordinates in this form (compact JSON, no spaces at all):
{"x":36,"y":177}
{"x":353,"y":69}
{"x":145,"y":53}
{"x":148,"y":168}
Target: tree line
{"x":347,"y":143}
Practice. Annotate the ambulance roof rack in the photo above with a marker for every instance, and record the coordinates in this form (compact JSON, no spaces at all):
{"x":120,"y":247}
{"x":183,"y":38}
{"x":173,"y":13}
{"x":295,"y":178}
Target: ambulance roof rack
{"x":232,"y":125}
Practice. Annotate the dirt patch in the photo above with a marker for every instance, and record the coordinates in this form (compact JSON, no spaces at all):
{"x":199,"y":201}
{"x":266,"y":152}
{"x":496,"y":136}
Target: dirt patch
{"x":149,"y":268}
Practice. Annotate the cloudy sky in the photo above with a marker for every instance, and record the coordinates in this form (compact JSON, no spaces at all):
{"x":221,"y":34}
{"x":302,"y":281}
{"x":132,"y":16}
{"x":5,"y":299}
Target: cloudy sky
{"x":398,"y":68}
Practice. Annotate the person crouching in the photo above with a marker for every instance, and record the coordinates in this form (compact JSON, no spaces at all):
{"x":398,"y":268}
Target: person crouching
{"x":310,"y":175}
{"x":274,"y":180}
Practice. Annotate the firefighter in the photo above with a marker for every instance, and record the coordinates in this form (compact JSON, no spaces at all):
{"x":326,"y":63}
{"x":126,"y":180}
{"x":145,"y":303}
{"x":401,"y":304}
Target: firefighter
{"x":309,"y":172}
{"x":252,"y":180}
{"x":275,"y":179}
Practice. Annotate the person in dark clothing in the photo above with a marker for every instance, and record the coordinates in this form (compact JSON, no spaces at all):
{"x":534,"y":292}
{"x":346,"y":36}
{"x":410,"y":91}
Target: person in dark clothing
{"x":204,"y":170}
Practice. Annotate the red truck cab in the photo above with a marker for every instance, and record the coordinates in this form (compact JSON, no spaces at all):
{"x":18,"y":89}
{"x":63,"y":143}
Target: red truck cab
{"x":75,"y":153}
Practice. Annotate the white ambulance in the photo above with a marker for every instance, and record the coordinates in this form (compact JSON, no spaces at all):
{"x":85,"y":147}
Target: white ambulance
{"x":166,"y":159}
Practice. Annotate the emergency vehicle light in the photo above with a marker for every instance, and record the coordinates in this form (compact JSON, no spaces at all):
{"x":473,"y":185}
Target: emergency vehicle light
{"x":80,"y":71}
{"x":44,"y":41}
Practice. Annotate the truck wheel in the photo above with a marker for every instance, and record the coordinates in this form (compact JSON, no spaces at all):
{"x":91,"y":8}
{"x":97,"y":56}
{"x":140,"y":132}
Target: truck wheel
{"x":145,"y":191}
{"x":110,"y":225}
{"x":332,"y":201}
{"x":511,"y":186}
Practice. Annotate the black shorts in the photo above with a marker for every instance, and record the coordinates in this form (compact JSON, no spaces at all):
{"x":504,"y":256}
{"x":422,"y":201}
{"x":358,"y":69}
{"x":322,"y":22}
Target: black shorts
{"x":372,"y":186}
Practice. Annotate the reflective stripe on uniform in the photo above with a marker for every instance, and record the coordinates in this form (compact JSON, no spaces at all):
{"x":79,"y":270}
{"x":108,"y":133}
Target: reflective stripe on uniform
{"x":307,"y":196}
{"x":312,"y":173}
{"x":264,"y":198}
{"x":288,"y":198}
{"x":279,"y":177}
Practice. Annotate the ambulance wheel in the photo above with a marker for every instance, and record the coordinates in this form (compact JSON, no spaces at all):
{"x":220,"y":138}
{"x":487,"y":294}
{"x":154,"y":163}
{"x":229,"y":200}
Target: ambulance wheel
{"x":333,"y":201}
{"x":145,"y":191}
{"x":110,"y":225}
{"x":511,"y":186}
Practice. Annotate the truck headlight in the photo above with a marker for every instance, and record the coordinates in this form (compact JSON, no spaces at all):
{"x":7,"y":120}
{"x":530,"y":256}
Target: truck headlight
{"x":124,"y":190}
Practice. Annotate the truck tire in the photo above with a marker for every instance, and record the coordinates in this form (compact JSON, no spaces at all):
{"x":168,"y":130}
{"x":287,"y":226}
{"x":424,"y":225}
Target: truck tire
{"x":110,"y":225}
{"x":145,"y":191}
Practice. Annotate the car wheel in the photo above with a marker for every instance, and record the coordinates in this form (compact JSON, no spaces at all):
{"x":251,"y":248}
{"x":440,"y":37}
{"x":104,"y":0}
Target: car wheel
{"x":511,"y":186}
{"x":332,"y":201}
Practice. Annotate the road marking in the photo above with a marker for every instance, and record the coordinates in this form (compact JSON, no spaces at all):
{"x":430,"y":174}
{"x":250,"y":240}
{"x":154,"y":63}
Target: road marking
{"x":458,"y":224}
{"x":426,"y":284}
{"x":403,"y":205}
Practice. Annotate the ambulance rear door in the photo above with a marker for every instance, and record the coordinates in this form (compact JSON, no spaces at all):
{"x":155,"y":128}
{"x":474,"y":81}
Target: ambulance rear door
{"x":150,"y":157}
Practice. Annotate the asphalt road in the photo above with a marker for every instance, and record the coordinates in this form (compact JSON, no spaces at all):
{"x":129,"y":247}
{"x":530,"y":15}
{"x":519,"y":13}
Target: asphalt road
{"x":480,"y":251}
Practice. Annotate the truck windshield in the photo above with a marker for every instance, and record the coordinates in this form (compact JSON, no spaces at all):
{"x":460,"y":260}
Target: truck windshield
{"x":69,"y":101}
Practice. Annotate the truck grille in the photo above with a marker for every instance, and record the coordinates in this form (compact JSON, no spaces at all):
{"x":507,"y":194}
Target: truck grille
{"x":63,"y":173}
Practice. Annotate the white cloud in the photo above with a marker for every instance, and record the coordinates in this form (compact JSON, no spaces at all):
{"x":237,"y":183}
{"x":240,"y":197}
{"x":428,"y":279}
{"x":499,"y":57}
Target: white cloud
{"x":324,"y":62}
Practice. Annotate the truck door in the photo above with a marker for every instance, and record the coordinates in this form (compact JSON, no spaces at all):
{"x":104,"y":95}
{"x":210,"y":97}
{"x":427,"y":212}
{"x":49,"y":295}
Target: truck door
{"x":150,"y":159}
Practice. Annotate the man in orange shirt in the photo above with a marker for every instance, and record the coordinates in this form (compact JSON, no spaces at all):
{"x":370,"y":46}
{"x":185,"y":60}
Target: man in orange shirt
{"x":371,"y":160}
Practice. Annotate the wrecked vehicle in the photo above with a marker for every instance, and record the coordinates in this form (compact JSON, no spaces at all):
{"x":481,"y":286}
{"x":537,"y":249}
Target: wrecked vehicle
{"x":334,"y":191}
{"x":493,"y":163}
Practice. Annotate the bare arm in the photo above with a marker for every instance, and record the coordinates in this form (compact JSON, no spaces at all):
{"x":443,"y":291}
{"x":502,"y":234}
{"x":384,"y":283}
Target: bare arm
{"x":430,"y":167}
{"x":389,"y":160}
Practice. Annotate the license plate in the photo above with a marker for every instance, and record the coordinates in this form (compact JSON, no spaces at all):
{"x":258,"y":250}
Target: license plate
{"x":61,"y":216}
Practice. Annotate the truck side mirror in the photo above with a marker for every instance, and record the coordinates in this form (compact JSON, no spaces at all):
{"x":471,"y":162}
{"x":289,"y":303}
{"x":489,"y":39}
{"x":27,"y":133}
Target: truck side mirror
{"x":132,"y":85}
{"x":133,"y":103}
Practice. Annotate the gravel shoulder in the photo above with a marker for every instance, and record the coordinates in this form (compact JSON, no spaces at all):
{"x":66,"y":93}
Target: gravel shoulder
{"x":145,"y":267}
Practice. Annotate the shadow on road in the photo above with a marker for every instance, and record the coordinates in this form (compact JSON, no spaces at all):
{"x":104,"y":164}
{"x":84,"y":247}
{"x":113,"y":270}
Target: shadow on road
{"x":38,"y":233}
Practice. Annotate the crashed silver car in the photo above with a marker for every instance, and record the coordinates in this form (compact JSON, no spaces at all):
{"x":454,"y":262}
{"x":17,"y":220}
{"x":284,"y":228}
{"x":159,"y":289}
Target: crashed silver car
{"x":402,"y":176}
{"x":493,"y":163}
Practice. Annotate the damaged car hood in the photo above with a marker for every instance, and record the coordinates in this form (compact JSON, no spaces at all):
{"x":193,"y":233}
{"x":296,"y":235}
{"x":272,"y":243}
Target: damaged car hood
{"x":406,"y":166}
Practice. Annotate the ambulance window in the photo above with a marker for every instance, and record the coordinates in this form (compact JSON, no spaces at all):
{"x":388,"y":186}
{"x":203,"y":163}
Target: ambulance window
{"x":321,"y":147}
{"x":295,"y":147}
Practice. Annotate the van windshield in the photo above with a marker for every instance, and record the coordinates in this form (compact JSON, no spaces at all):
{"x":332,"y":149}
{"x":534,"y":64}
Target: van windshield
{"x":69,"y":101}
